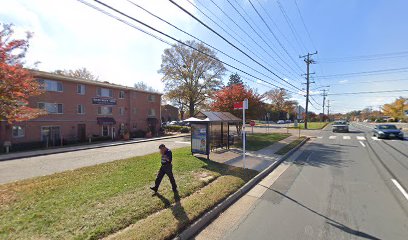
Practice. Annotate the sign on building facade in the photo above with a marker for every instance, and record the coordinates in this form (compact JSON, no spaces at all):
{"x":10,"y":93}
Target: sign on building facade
{"x":104,"y":101}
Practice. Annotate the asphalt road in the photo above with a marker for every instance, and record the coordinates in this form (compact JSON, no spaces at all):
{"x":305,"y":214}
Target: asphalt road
{"x":12,"y":170}
{"x":341,"y":186}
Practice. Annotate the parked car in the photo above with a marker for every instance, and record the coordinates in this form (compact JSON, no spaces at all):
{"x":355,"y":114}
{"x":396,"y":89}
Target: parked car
{"x":340,"y":126}
{"x":387,"y":131}
{"x":288,"y":121}
{"x":172,"y":123}
{"x":280,"y":122}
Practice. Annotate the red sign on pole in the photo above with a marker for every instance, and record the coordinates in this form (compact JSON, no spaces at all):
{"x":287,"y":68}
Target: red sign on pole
{"x":252,"y":123}
{"x":238,"y":105}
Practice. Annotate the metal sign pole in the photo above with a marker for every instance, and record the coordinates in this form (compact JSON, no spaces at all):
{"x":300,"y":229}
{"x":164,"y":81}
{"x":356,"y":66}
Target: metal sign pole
{"x":243,"y":133}
{"x":244,"y":106}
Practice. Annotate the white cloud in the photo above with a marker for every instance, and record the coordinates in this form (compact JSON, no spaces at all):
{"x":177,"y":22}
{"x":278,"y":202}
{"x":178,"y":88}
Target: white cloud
{"x":344,"y":81}
{"x":69,"y":35}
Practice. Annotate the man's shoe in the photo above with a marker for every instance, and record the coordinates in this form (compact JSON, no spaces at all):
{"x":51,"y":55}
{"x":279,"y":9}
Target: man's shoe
{"x":154,"y":189}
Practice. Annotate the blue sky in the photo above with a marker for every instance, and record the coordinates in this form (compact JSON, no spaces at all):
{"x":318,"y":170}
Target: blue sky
{"x":68,"y":35}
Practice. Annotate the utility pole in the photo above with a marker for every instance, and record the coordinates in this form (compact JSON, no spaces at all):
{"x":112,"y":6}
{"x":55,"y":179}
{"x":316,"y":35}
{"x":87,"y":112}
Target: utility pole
{"x":328,"y":109}
{"x":308,"y":61}
{"x":324,"y":100}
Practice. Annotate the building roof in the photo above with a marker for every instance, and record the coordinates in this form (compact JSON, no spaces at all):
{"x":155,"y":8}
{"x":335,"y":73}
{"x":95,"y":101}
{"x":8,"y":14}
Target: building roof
{"x":54,"y":76}
{"x":216,"y":117}
{"x":169,"y":106}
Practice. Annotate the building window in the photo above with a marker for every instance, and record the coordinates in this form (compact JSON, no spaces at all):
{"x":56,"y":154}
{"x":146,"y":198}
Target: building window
{"x":134,"y":125}
{"x":105,"y":92}
{"x":121,"y":111}
{"x":52,"y":108}
{"x":152,"y":112}
{"x":80,"y":109}
{"x":105,"y":130}
{"x":134,"y":111}
{"x":152,"y":98}
{"x":50,"y":85}
{"x":81,"y":89}
{"x":105,"y":110}
{"x":122,"y":94}
{"x":18,"y":131}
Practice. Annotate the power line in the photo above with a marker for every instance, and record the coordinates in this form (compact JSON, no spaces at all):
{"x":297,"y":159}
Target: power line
{"x":370,"y":92}
{"x":273,"y":34}
{"x":348,"y":83}
{"x":226,"y":40}
{"x":162,"y":40}
{"x":310,"y":37}
{"x":274,"y":24}
{"x":367,"y":57}
{"x":242,"y":30}
{"x":291,"y":26}
{"x":240,"y":42}
{"x":304,"y":25}
{"x":374,"y":72}
{"x":181,"y":30}
{"x":376,"y":96}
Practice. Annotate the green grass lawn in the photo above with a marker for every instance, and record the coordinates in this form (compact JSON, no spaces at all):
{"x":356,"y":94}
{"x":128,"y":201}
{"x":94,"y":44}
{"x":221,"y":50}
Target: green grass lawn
{"x":258,"y":141}
{"x":94,"y":202}
{"x":290,"y":146}
{"x":313,"y":125}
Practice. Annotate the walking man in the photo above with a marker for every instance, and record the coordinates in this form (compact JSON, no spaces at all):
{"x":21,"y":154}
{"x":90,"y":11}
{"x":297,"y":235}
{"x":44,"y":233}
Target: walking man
{"x":165,"y":169}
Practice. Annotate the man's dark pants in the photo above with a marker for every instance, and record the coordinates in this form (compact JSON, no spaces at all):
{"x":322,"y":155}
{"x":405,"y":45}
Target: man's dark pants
{"x":166,"y":169}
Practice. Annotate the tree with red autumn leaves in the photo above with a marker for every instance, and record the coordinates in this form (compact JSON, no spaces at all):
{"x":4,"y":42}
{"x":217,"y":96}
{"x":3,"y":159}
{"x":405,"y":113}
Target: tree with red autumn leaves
{"x":16,"y":83}
{"x":224,"y":99}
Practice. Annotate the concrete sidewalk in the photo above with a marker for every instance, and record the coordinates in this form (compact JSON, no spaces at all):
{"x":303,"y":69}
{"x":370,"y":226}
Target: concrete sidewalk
{"x":43,"y":152}
{"x":256,"y":160}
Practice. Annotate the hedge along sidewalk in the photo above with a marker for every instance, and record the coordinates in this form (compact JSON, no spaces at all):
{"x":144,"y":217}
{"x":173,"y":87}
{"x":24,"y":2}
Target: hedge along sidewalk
{"x":94,"y":202}
{"x":43,"y":152}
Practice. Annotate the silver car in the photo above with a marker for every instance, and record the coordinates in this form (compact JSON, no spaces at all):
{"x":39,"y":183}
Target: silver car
{"x":340,"y":126}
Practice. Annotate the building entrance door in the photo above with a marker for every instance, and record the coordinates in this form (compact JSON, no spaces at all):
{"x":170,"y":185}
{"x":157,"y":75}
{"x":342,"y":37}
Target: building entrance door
{"x":81,"y":132}
{"x":51,"y":136}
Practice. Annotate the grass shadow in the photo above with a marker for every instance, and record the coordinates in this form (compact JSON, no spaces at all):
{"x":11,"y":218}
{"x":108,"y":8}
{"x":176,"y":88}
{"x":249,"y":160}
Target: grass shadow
{"x":177,"y":209}
{"x":224,"y":169}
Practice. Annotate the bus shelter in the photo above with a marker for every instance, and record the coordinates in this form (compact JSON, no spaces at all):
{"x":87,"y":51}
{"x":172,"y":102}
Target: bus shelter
{"x":212,"y":130}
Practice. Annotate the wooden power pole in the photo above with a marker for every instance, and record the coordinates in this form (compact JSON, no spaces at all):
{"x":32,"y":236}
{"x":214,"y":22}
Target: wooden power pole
{"x":308,"y":61}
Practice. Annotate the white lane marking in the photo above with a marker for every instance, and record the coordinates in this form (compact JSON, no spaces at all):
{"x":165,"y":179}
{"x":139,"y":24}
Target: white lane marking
{"x":402,"y":190}
{"x":332,"y":137}
{"x":319,"y":137}
{"x":375,"y":138}
{"x":361,"y":138}
{"x":182,"y":142}
{"x":346,"y":137}
{"x":362,"y":144}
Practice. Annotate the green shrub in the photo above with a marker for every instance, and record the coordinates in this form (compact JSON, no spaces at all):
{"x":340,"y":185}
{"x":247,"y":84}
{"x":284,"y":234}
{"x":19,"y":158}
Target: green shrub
{"x":138,"y":134}
{"x":173,"y":128}
{"x":185,"y":130}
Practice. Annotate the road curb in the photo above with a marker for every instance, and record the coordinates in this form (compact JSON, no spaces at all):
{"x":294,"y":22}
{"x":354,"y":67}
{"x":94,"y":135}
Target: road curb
{"x":208,"y":217}
{"x":80,"y":148}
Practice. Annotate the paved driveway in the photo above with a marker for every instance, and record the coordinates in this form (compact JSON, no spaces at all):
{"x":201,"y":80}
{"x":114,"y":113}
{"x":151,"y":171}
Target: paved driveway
{"x":23,"y":168}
